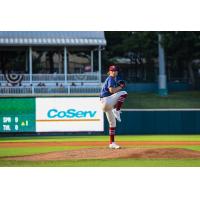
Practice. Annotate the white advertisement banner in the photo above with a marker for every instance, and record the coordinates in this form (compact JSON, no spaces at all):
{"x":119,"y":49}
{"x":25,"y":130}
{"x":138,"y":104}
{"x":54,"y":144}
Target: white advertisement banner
{"x":74,"y":114}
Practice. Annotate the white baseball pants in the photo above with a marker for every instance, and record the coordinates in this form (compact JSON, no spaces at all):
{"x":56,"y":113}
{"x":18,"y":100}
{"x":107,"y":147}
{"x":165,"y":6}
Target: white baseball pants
{"x":108,"y":104}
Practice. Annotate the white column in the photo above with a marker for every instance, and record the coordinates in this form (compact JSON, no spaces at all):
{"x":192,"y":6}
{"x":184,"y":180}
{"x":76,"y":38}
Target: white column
{"x":99,"y":57}
{"x":65,"y":64}
{"x":30,"y":64}
{"x":92,"y":61}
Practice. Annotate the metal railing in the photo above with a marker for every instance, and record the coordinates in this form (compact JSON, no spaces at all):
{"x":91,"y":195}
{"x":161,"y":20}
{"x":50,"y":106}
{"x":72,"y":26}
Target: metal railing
{"x":83,"y":77}
{"x":15,"y":90}
{"x":6,"y":91}
{"x":89,"y":77}
{"x":84,"y":90}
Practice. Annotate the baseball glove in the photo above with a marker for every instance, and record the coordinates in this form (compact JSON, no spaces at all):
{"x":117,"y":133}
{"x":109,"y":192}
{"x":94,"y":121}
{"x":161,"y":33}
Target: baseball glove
{"x":121,"y":83}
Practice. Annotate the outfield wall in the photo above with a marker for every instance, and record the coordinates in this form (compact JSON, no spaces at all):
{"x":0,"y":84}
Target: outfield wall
{"x":83,"y":114}
{"x":159,"y":121}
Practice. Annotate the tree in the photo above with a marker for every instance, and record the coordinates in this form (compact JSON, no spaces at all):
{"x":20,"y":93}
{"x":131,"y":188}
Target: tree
{"x":139,"y":47}
{"x":182,"y":48}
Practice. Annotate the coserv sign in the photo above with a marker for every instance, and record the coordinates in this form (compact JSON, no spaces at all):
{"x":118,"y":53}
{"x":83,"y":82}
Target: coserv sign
{"x":69,"y":114}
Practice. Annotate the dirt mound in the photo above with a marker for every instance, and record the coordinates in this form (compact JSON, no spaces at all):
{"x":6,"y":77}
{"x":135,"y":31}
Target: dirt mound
{"x":104,"y":153}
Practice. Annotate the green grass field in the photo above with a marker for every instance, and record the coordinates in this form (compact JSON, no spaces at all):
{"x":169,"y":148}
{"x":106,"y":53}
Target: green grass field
{"x":102,"y":138}
{"x":11,"y":151}
{"x":188,"y":99}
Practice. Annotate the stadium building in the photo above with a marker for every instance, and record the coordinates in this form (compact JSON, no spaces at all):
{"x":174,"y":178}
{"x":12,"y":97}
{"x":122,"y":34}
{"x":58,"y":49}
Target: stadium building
{"x":38,"y":62}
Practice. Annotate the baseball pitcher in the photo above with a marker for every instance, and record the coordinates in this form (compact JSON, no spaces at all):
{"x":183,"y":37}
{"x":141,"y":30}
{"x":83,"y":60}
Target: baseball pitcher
{"x":112,"y":98}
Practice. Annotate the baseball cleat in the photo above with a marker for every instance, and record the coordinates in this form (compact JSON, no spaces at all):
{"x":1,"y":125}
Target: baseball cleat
{"x":117,"y":114}
{"x":114,"y":146}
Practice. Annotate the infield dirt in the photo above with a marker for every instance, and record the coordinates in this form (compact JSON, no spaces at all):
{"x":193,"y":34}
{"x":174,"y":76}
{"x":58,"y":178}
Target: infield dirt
{"x":96,"y":143}
{"x":105,"y":153}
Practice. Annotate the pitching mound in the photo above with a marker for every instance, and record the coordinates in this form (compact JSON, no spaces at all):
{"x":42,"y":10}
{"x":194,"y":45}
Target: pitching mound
{"x":104,"y":153}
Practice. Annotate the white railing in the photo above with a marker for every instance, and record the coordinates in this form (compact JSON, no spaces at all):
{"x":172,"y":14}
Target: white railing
{"x":6,"y":91}
{"x":51,"y":90}
{"x":83,"y":77}
{"x":89,"y":77}
{"x":15,"y":90}
{"x":84,"y":90}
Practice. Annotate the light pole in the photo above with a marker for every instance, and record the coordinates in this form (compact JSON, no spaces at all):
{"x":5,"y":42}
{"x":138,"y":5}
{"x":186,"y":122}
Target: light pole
{"x":162,"y":78}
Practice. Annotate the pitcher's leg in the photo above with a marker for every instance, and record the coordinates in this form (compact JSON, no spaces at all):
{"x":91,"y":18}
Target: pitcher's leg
{"x":118,"y":100}
{"x":112,"y":127}
{"x":117,"y":96}
{"x":111,"y":119}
